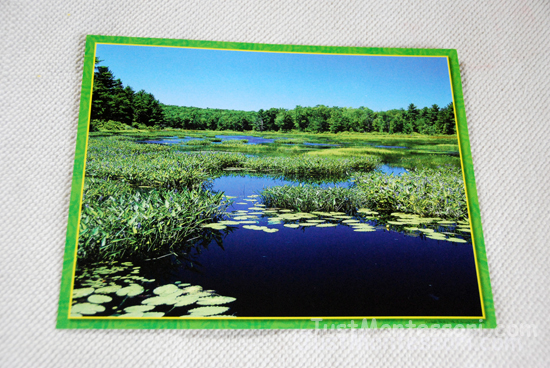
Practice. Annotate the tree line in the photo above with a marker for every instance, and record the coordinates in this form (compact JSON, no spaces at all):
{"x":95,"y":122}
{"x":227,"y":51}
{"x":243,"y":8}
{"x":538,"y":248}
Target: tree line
{"x":116,"y":104}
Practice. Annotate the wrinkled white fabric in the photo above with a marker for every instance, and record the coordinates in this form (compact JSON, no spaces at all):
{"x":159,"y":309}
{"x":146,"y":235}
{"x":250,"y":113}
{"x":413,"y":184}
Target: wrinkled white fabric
{"x":504,"y":51}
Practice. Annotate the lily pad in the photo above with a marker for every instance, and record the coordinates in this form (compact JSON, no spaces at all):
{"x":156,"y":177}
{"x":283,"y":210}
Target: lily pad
{"x":192,"y":289}
{"x":252,"y":227}
{"x":218,"y":227}
{"x":364,"y":230}
{"x":395,"y":223}
{"x":307,"y":224}
{"x":229,"y":223}
{"x":315,"y":221}
{"x":293,"y":226}
{"x":186,"y":300}
{"x":215,"y":300}
{"x":130,"y":290}
{"x":87,"y":308}
{"x":207,"y":311}
{"x":456,"y":240}
{"x":270,"y":230}
{"x":166,"y":289}
{"x":436,"y":236}
{"x":169,"y":299}
{"x":153,"y":314}
{"x":80,"y":293}
{"x":99,"y":299}
{"x":139,"y":308}
{"x":327,"y":225}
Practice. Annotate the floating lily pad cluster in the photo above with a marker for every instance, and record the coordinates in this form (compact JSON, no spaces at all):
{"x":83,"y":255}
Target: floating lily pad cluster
{"x":432,"y":227}
{"x":117,"y":290}
{"x":367,"y":220}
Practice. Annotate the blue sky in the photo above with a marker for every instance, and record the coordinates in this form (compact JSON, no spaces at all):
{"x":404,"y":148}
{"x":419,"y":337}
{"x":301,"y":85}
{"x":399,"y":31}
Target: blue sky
{"x":256,"y":80}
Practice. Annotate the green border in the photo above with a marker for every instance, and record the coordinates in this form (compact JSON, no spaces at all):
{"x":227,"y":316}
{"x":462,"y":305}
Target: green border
{"x":64,"y":322}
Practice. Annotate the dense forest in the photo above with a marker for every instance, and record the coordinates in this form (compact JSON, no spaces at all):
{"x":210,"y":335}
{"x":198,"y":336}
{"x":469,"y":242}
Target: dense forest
{"x":117,"y":107}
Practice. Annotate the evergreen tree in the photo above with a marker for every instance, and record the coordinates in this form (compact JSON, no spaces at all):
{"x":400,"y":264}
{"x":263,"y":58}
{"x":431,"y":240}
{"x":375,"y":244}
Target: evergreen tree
{"x":410,"y":119}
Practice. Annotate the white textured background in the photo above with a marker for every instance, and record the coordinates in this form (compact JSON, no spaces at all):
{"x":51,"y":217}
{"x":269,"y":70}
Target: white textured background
{"x":504,"y":53}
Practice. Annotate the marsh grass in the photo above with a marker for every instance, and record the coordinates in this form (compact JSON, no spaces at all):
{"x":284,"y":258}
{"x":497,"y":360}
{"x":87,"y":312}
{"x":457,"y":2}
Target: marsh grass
{"x":309,"y":167}
{"x":121,"y":222}
{"x":307,"y":198}
{"x":152,"y":165}
{"x":196,"y":142}
{"x":427,"y":192}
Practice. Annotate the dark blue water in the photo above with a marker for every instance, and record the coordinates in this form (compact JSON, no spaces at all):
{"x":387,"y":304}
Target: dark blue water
{"x":333,"y":271}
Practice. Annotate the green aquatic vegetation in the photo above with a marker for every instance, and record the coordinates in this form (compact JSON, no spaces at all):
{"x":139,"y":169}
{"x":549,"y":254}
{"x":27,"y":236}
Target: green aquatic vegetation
{"x":308,"y":198}
{"x":99,"y":299}
{"x":215,"y":300}
{"x":311,"y":167}
{"x":79,"y":293}
{"x":192,"y":289}
{"x":186,"y":300}
{"x":108,"y":289}
{"x":197,"y":142}
{"x":153,"y":165}
{"x":134,"y":223}
{"x":207,"y":311}
{"x":166,"y":289}
{"x":86,"y":309}
{"x":233,"y":143}
{"x":289,"y":141}
{"x":139,"y":308}
{"x":130,"y":290}
{"x":426,"y":192}
{"x":162,"y":300}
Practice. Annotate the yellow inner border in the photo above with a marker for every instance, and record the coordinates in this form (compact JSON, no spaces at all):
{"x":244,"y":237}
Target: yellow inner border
{"x":274,"y":318}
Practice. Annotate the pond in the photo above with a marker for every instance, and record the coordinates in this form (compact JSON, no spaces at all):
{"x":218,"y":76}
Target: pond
{"x":251,"y":140}
{"x":276,"y":263}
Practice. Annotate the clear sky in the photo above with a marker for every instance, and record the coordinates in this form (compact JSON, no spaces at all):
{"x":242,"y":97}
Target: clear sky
{"x":260,"y":80}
